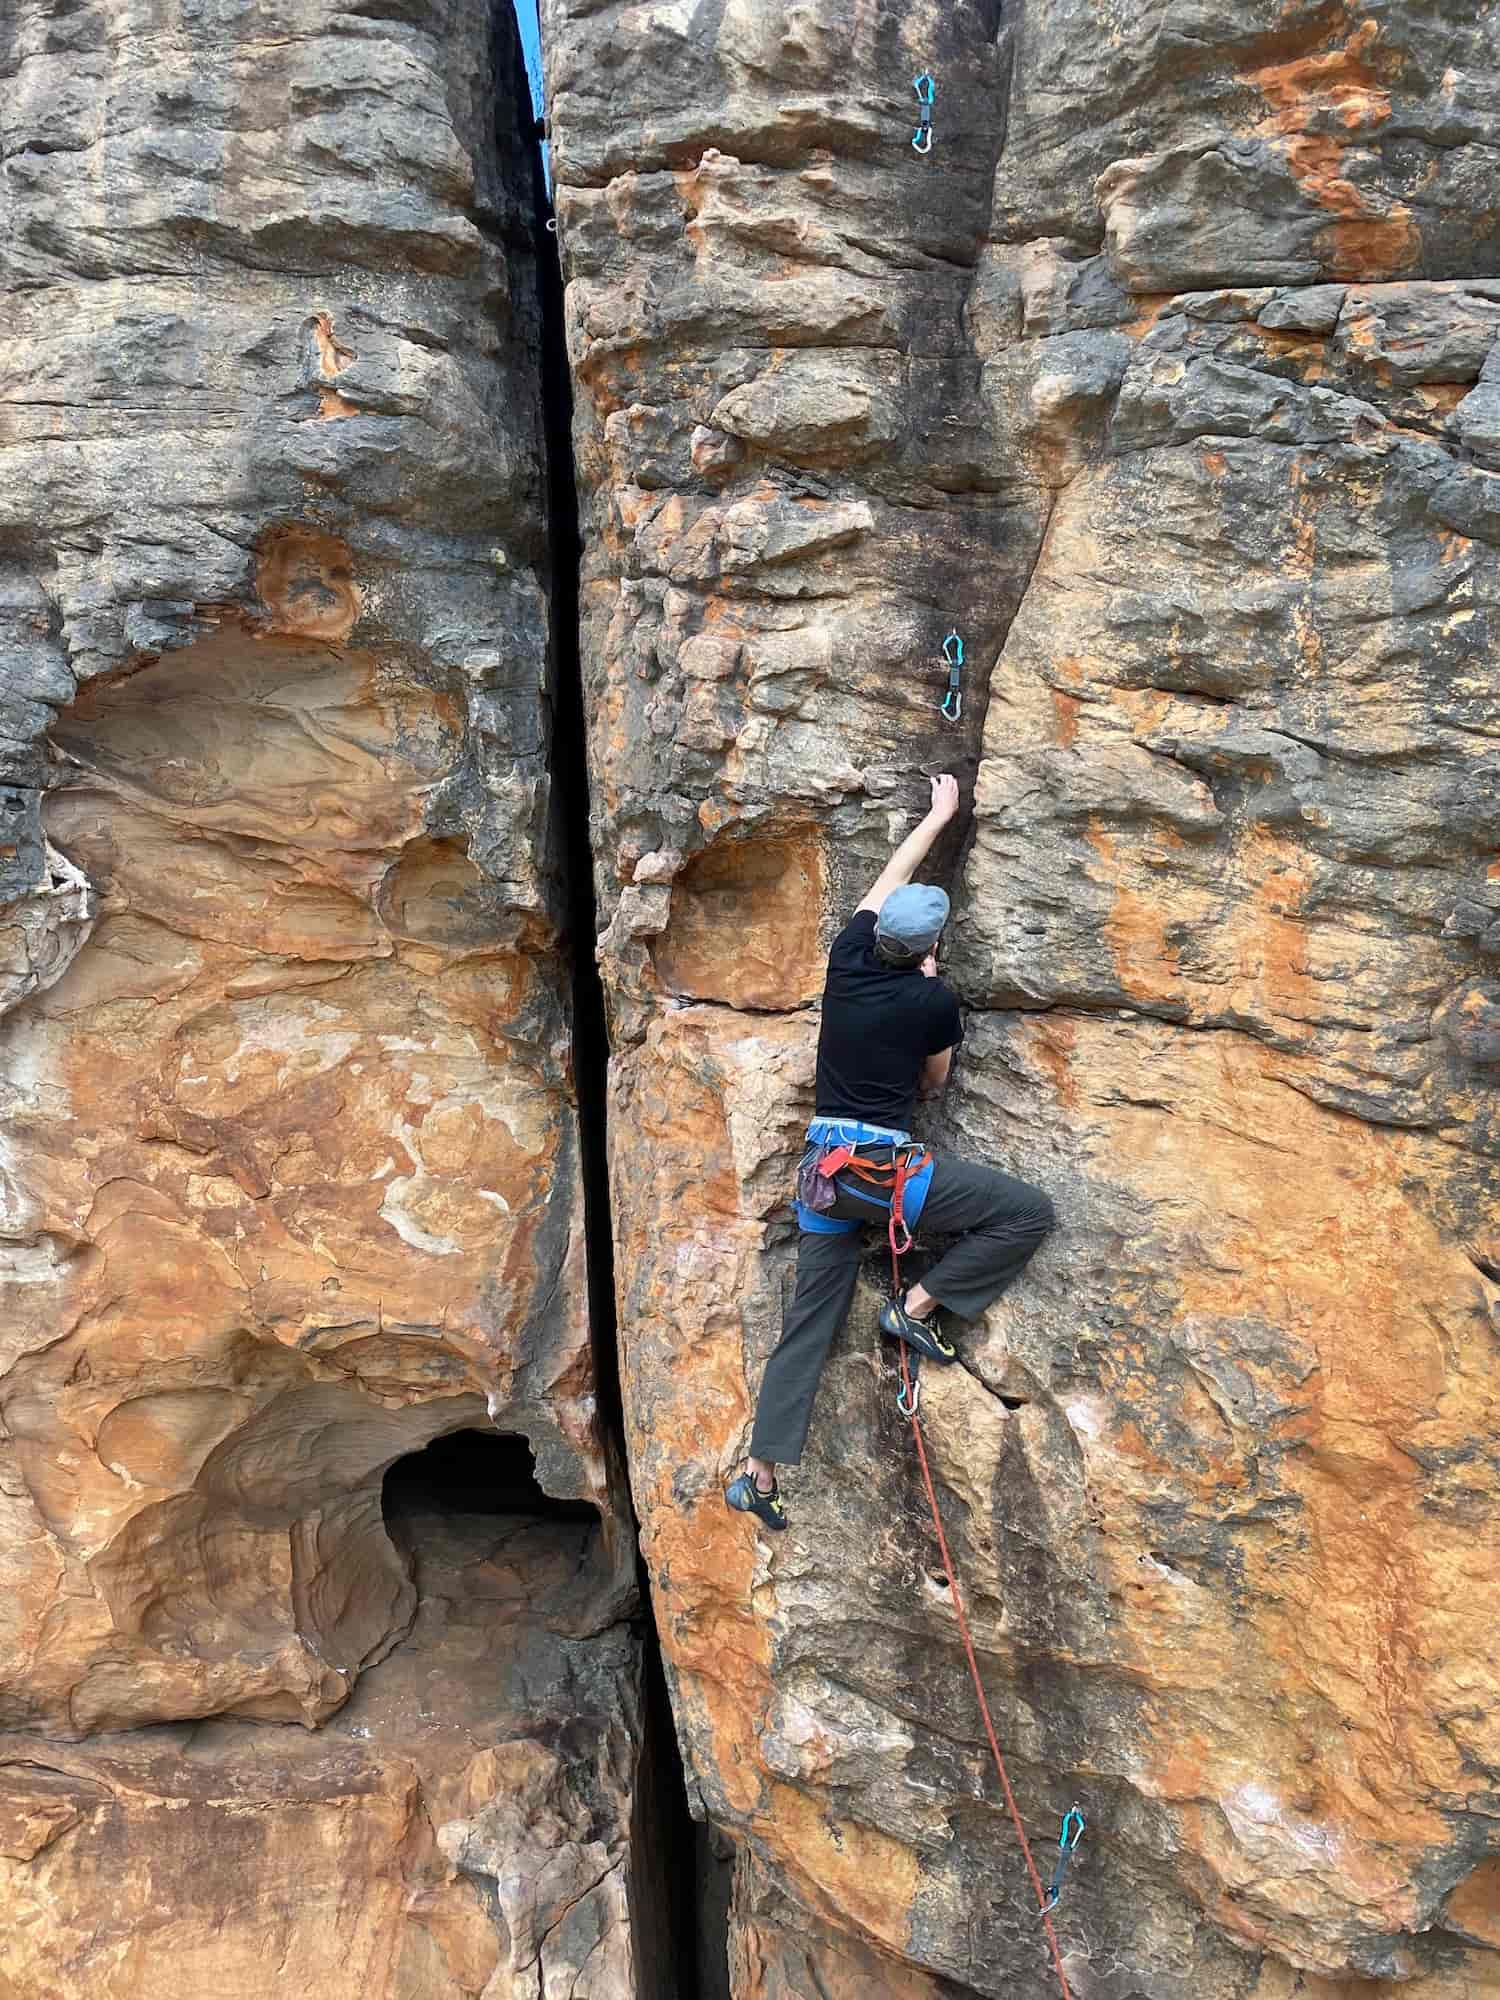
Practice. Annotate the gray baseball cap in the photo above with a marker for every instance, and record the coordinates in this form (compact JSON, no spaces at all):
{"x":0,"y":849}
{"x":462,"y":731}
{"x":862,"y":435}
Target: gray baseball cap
{"x":912,"y":918}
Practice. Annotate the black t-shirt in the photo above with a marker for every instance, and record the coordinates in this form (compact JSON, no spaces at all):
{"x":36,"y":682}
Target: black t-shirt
{"x":879,"y":1027}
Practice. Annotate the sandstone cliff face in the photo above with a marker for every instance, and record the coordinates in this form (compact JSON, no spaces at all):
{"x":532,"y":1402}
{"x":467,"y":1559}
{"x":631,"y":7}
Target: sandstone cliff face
{"x":1167,"y":379}
{"x":289,"y":1183}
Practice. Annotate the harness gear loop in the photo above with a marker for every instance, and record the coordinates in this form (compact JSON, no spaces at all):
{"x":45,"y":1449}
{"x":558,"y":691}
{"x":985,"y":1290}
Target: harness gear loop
{"x":926,"y":89}
{"x":952,"y":705}
{"x":1067,"y":1841}
{"x":908,"y":1401}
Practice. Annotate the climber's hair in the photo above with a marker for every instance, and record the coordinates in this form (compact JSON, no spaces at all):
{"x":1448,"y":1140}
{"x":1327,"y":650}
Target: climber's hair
{"x":896,"y":955}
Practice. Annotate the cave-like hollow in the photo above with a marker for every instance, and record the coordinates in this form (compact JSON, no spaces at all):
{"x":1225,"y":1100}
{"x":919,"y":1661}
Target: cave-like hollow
{"x":471,"y":1473}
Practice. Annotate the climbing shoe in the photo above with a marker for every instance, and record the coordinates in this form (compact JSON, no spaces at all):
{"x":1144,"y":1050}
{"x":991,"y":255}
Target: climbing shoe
{"x":922,"y":1334}
{"x":745,"y":1497}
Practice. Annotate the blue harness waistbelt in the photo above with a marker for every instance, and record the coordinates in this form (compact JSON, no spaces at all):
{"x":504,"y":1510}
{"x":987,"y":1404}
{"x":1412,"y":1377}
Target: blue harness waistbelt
{"x":855,"y":1132}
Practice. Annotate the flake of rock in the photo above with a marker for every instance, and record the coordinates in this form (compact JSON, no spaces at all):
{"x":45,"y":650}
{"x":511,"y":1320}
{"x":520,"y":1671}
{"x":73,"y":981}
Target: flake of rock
{"x":43,"y":931}
{"x":1418,"y":333}
{"x":814,"y":406}
{"x":1469,"y":499}
{"x":1311,"y":309}
{"x":756,"y":533}
{"x":1471,"y":1023}
{"x":1476,"y":421}
{"x":1229,"y":305}
{"x":714,"y":453}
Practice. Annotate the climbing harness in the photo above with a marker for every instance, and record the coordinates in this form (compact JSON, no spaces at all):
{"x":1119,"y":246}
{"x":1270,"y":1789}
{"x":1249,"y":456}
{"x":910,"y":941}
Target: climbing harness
{"x":952,"y":705}
{"x":883,"y":1165}
{"x":926,"y":89}
{"x":1067,"y":1842}
{"x":908,"y":1402}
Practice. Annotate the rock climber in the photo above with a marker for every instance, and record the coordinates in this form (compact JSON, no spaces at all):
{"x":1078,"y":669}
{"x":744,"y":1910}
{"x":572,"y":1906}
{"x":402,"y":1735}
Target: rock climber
{"x":890,"y":1027}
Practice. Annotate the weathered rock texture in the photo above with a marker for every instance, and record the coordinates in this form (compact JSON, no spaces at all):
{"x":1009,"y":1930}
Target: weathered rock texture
{"x":289,"y":1182}
{"x":461,"y":1827}
{"x":1169,"y":378}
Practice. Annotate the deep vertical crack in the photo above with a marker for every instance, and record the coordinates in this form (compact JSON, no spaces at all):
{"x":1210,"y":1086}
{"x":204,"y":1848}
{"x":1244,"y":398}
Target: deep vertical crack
{"x":666,"y":1905}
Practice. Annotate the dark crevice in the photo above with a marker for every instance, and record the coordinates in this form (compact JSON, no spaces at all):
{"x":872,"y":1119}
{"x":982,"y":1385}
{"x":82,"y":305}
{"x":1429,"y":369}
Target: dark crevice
{"x":570,"y":817}
{"x":475,"y":1473}
{"x":668,"y":1908}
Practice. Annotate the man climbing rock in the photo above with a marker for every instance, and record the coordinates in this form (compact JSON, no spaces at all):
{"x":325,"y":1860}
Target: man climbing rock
{"x":890,"y":1026}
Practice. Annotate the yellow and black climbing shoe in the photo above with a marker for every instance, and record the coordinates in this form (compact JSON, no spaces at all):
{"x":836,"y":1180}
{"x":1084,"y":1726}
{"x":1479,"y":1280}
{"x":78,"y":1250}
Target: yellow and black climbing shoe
{"x":746,"y":1498}
{"x":922,"y":1334}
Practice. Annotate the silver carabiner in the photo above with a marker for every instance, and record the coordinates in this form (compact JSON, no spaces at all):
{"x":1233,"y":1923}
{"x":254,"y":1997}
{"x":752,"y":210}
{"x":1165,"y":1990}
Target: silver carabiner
{"x":922,"y":140}
{"x":955,"y":712}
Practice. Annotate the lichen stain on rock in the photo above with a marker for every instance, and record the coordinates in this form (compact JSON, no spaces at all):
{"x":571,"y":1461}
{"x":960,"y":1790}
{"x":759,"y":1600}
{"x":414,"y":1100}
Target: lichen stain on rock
{"x":746,"y":922}
{"x":1321,"y":104}
{"x":333,"y":356}
{"x":305,"y":579}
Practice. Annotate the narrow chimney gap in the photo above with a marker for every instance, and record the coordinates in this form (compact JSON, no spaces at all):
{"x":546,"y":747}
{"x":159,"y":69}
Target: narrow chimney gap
{"x":681,"y":1903}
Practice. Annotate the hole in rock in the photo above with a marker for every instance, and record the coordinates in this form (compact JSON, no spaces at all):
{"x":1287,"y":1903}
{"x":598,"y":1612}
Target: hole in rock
{"x":744,"y":924}
{"x":939,"y":1578}
{"x":473,"y":1497}
{"x":475,"y":1472}
{"x":1015,"y":1402}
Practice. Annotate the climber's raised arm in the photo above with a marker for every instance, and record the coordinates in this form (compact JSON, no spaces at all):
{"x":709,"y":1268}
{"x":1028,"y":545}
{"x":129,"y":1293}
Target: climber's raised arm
{"x":913,"y":851}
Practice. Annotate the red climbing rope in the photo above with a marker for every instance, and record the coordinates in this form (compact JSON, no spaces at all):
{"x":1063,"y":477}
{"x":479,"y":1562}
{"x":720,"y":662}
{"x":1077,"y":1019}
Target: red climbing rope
{"x":910,"y":1406}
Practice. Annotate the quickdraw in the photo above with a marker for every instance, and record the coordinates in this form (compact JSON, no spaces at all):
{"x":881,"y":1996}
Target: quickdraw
{"x":926,"y":89}
{"x":952,"y":705}
{"x":1067,"y":1842}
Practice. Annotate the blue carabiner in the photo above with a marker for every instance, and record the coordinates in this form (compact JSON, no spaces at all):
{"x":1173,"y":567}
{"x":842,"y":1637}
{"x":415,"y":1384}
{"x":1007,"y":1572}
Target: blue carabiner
{"x":926,"y":90}
{"x":1067,"y":1840}
{"x":953,"y":649}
